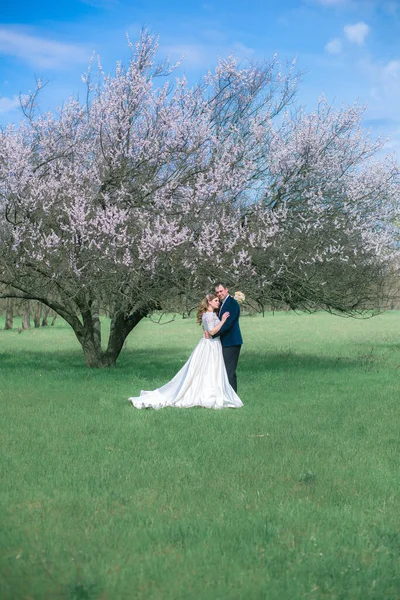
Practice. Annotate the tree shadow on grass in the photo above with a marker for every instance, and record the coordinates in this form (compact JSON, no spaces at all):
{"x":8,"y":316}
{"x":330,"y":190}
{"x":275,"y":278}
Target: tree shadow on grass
{"x":164,"y":363}
{"x":292,"y":361}
{"x":36,"y":360}
{"x":383,"y":345}
{"x":380,"y":353}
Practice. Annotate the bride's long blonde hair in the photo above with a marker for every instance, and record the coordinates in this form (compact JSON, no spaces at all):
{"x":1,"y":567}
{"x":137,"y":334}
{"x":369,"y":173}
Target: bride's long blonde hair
{"x":204,"y":306}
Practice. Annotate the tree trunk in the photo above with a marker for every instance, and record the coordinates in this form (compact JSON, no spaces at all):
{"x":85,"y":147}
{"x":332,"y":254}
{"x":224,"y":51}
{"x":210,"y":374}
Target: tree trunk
{"x":89,"y":337}
{"x":53,"y":319}
{"x":93,"y":355}
{"x":9,"y":313}
{"x":26,"y":315}
{"x":120,"y":328}
{"x":46,"y":312}
{"x":96,"y":323}
{"x":37,"y":312}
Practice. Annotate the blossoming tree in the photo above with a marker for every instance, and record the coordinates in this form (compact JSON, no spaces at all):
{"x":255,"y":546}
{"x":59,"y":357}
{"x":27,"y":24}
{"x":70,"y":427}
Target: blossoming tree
{"x":146,"y":193}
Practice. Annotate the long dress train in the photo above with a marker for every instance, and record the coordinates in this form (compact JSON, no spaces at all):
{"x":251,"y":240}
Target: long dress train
{"x":202,"y":381}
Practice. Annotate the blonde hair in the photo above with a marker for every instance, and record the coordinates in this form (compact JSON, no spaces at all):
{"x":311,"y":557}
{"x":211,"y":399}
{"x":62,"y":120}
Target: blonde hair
{"x":203,"y":307}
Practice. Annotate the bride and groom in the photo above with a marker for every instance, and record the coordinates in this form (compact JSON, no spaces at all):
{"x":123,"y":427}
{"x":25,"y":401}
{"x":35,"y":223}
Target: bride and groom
{"x":208,"y":378}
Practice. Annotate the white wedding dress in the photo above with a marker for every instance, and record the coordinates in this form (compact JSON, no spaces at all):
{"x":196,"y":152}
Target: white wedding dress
{"x":202,"y":381}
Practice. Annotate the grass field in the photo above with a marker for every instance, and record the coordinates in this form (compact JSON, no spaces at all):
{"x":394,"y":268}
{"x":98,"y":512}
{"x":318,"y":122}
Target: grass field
{"x":296,"y":495}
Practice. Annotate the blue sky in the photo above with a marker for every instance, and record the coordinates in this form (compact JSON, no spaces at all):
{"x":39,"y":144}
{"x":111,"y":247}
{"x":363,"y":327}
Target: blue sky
{"x":348,"y":49}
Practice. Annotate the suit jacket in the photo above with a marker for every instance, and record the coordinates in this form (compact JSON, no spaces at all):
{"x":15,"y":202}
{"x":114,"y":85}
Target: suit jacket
{"x":230,"y":331}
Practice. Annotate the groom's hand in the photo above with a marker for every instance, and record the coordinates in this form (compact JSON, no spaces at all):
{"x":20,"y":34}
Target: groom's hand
{"x":207,"y":335}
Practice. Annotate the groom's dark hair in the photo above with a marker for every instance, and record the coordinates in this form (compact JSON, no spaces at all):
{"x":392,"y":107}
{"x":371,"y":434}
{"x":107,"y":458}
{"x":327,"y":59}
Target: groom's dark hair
{"x":218,"y":283}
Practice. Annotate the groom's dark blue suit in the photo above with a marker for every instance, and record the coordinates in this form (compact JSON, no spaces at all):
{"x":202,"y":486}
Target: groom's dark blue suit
{"x":231,"y":338}
{"x":230,"y":330}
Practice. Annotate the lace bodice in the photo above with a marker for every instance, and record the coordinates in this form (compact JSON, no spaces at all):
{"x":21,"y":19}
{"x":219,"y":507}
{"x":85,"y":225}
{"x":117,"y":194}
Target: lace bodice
{"x":210,"y":320}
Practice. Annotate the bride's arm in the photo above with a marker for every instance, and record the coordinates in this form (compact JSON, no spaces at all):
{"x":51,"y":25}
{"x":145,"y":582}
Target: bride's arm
{"x":215,"y":329}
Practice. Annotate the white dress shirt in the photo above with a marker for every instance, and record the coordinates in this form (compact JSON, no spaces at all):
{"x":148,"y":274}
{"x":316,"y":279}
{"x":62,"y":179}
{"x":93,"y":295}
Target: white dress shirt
{"x":222,"y":305}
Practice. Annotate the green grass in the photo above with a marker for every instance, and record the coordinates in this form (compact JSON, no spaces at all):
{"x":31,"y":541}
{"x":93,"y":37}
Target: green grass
{"x":296,"y":495}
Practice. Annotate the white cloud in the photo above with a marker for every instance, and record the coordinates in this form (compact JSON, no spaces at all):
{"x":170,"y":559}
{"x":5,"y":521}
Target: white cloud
{"x":384,"y":92}
{"x":334,"y":46}
{"x":357,"y":33}
{"x":8,"y":104}
{"x":205,"y":55}
{"x":391,"y":71}
{"x":241,"y":50}
{"x":385,"y":81}
{"x":391,"y":7}
{"x":40,"y":52}
{"x":193,"y":54}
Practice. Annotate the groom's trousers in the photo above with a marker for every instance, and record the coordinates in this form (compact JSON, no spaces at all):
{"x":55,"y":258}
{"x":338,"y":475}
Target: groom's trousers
{"x":231,"y":357}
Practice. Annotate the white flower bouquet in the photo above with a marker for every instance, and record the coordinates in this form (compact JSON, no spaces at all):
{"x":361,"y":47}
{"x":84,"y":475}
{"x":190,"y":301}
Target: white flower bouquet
{"x":240,"y":297}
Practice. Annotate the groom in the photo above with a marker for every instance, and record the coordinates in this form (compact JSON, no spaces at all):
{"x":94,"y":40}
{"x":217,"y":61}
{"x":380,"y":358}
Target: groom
{"x":231,"y":338}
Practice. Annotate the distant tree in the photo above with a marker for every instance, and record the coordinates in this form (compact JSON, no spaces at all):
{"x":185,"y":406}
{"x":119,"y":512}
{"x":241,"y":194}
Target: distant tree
{"x":37,"y":313}
{"x":45,"y":315}
{"x":9,"y":314}
{"x":26,"y":315}
{"x":146,"y":194}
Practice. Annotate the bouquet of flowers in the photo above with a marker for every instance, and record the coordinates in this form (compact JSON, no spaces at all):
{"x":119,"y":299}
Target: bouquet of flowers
{"x":240,"y":297}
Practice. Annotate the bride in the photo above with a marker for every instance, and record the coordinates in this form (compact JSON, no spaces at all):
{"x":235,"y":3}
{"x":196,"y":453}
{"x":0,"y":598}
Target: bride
{"x":203,"y":380}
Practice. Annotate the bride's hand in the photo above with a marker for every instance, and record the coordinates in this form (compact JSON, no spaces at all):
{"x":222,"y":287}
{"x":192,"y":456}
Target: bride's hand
{"x":225,"y":316}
